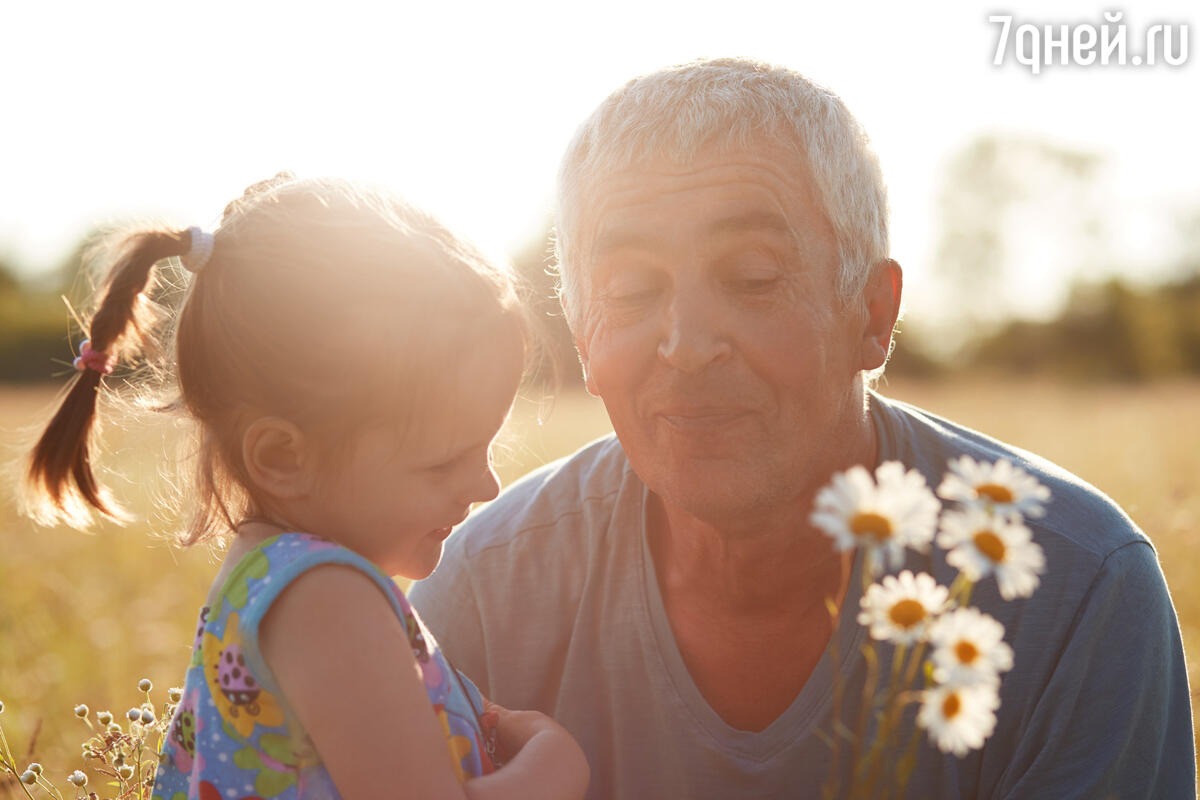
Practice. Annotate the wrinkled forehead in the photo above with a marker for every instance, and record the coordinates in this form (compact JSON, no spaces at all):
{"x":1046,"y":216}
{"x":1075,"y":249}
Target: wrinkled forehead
{"x":757,"y":180}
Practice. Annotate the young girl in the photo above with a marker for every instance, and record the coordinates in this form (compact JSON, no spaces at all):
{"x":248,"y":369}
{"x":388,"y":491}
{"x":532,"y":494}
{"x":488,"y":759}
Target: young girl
{"x":348,"y":363}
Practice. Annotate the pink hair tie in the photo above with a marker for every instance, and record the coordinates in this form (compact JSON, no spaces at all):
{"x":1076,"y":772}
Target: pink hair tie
{"x":96,"y":360}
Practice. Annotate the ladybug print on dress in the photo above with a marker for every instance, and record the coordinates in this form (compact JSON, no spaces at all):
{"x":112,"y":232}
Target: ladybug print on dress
{"x":183,"y":730}
{"x":236,"y":682}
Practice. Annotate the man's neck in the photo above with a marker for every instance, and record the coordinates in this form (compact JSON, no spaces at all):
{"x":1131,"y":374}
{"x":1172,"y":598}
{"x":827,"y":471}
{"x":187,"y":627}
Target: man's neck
{"x":774,"y":568}
{"x":766,"y":561}
{"x":752,"y":603}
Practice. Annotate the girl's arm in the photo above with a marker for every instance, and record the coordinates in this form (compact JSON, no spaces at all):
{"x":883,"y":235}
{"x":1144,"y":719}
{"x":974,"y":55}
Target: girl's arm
{"x":341,"y":657}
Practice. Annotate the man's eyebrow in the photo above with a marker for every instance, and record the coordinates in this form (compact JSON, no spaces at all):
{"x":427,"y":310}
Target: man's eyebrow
{"x":752,"y":221}
{"x":612,"y":240}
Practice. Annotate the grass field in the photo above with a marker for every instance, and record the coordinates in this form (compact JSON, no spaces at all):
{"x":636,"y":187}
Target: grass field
{"x":83,"y":617}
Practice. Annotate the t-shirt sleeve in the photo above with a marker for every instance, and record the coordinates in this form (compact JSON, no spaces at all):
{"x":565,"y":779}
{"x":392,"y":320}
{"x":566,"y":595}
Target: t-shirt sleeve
{"x":447,"y":603}
{"x":1115,"y":718}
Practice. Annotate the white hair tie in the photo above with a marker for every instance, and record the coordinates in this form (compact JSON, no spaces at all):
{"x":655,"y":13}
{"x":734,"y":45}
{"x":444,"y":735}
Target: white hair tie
{"x":199,"y":250}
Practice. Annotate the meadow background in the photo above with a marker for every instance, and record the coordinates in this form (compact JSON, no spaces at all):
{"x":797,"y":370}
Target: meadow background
{"x":1048,"y":224}
{"x":84,"y":616}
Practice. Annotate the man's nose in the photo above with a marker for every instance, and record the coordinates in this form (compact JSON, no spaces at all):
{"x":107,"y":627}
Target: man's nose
{"x":694,"y":332}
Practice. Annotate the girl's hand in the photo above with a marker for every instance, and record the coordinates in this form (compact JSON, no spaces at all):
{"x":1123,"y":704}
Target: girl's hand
{"x":541,"y":759}
{"x":515,"y":728}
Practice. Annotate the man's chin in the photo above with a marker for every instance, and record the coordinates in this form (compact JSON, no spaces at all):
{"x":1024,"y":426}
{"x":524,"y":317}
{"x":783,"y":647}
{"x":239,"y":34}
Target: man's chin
{"x":727,"y":503}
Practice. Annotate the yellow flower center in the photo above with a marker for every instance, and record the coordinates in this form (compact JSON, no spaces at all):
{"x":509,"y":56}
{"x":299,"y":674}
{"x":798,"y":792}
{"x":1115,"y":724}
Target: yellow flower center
{"x":951,"y":706}
{"x":966,"y":652}
{"x":995,"y":492}
{"x":868,"y":523}
{"x":990,"y":545}
{"x":907,"y":613}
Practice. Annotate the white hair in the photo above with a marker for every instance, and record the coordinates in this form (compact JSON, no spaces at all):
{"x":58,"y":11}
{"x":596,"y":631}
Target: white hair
{"x":727,"y":104}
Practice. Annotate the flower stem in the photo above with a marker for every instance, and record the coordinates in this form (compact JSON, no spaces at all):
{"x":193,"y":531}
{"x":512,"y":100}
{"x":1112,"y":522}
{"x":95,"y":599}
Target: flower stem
{"x":864,"y":712}
{"x":48,"y":787}
{"x":829,"y":790}
{"x":888,"y":713}
{"x":6,"y":761}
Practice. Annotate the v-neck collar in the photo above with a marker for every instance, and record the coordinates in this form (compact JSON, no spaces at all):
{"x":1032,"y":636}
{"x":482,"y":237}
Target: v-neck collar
{"x":812,"y":704}
{"x":807,"y":710}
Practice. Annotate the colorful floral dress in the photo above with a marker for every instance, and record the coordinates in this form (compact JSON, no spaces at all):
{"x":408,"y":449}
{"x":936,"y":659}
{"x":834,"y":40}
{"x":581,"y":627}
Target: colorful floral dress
{"x":233,"y":737}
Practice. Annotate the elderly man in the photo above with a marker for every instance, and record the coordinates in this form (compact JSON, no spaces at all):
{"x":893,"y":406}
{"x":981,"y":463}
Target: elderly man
{"x":664,"y":593}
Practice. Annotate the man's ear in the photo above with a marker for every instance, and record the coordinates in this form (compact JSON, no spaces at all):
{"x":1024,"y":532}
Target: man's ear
{"x":881,"y":300}
{"x":582,"y":348}
{"x":588,"y":382}
{"x":278,"y":458}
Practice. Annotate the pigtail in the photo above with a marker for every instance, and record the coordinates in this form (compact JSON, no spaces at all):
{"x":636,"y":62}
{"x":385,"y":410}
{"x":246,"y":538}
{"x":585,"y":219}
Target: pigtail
{"x":60,"y":484}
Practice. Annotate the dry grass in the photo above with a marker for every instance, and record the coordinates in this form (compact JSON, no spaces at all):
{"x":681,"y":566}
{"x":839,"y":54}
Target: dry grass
{"x":83,"y":617}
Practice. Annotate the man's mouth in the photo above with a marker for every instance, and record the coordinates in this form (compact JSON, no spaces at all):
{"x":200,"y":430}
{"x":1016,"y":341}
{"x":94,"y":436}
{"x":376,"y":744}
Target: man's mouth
{"x":700,"y":418}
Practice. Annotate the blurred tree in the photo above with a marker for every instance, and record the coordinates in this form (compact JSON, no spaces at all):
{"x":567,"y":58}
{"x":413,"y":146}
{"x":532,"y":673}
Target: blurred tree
{"x":1017,"y":215}
{"x":33,"y":331}
{"x":911,"y":358}
{"x":1108,"y":331}
{"x":8,"y":277}
{"x":35,"y":323}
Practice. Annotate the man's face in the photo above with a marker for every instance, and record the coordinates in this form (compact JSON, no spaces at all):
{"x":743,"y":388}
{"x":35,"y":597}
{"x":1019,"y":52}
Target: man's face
{"x":713,"y":333}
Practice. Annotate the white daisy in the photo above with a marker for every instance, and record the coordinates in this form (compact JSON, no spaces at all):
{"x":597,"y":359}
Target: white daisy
{"x":969,"y":648}
{"x":1001,"y":487}
{"x":900,"y":608}
{"x":959,"y":718}
{"x":885,"y":515}
{"x":981,"y":543}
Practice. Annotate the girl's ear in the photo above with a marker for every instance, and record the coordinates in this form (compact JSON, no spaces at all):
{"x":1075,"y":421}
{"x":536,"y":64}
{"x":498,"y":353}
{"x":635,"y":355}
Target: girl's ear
{"x":277,"y":460}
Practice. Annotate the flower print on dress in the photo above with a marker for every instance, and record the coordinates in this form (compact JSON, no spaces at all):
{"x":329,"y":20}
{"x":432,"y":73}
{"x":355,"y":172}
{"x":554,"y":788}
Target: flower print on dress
{"x":275,"y":763}
{"x":209,"y":792}
{"x":240,"y":699}
{"x":458,"y":738}
{"x":254,"y":566}
{"x":200,"y":625}
{"x":416,"y":637}
{"x":437,"y":683}
{"x":314,"y":543}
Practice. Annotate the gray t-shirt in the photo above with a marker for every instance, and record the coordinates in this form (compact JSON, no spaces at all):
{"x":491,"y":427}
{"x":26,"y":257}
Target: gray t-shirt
{"x":547,"y":598}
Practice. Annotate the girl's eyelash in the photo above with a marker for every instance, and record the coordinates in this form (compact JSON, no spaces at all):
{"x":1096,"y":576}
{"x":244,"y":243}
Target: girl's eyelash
{"x":446,"y":466}
{"x":455,"y":460}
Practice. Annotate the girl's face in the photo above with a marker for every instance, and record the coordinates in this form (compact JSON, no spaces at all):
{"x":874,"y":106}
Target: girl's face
{"x":395,"y":497}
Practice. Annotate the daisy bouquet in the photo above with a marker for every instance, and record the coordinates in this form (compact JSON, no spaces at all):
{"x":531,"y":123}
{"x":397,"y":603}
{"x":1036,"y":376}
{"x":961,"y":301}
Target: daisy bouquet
{"x":947,"y":656}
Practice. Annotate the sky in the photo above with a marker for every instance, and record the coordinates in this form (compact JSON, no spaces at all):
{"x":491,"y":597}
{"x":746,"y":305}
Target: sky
{"x":168,"y":110}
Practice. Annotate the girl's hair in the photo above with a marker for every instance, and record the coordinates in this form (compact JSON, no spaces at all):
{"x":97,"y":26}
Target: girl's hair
{"x":327,"y":303}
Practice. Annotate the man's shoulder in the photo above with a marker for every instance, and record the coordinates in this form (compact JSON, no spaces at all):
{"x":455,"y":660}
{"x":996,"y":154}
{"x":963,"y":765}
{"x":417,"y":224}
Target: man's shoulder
{"x":567,"y":497}
{"x":1078,"y":514}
